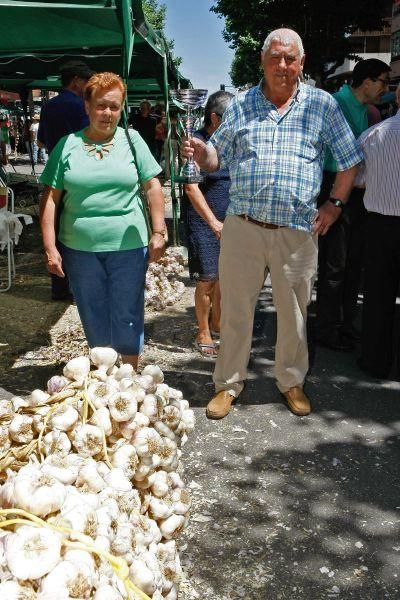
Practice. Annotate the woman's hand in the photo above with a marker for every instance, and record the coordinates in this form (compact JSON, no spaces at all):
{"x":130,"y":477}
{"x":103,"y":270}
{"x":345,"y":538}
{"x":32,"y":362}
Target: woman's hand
{"x":156,"y":247}
{"x":216,"y":227}
{"x":54,"y":262}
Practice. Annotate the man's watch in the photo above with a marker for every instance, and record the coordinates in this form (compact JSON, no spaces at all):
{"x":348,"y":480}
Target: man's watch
{"x":336,"y":202}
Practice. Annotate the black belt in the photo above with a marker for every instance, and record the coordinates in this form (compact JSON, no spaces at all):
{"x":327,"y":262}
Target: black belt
{"x":260,"y":223}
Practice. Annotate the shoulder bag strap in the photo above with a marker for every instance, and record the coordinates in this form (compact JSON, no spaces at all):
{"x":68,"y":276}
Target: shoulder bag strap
{"x":142,"y":195}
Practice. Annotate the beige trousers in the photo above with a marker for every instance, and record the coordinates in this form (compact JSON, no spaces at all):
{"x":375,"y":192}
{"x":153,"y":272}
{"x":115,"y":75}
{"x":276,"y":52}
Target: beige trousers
{"x":248,"y":253}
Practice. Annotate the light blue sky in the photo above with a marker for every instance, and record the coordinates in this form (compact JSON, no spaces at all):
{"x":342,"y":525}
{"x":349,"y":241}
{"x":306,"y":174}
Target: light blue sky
{"x":198,"y":40}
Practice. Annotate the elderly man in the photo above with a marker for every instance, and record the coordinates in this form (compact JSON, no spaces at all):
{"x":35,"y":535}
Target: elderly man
{"x":381,"y":147}
{"x":273,"y":139}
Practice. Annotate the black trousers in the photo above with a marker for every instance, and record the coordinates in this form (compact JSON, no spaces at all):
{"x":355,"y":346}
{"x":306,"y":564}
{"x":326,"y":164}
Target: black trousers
{"x":340,"y":263}
{"x":59,"y":285}
{"x":381,"y":284}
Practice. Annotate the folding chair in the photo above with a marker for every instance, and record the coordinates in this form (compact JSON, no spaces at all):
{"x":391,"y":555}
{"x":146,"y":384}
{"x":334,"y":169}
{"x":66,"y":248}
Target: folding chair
{"x":6,"y":237}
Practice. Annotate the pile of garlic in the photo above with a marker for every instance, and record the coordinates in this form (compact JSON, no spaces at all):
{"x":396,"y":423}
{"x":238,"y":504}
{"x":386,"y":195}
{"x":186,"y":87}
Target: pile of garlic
{"x":104,"y":465}
{"x":162,"y":288}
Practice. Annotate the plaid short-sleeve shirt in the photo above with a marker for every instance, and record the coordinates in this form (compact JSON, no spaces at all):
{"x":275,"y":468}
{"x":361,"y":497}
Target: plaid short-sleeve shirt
{"x":276,"y":160}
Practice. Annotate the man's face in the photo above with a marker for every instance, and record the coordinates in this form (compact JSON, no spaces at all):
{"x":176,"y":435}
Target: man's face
{"x":282,"y":66}
{"x":376,"y":87}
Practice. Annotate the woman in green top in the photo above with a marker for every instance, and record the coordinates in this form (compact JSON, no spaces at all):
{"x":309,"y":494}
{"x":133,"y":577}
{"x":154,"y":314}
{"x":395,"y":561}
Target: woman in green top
{"x":103,"y":234}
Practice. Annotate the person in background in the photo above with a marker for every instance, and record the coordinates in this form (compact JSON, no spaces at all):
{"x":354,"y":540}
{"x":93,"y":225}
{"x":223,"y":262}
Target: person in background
{"x":39,"y":154}
{"x":64,"y":114}
{"x":205,"y":214}
{"x":4,"y":140}
{"x":28,"y":138}
{"x":381,"y":147}
{"x":341,"y":250}
{"x":145,"y":123}
{"x":103,"y":237}
{"x":273,"y":139}
{"x":161,"y":135}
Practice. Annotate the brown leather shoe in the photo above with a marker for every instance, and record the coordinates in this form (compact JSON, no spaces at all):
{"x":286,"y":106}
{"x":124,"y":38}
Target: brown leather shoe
{"x":298,"y":402}
{"x":220,"y":405}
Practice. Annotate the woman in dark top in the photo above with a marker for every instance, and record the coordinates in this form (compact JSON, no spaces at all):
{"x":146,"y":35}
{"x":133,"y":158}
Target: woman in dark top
{"x":206,"y":213}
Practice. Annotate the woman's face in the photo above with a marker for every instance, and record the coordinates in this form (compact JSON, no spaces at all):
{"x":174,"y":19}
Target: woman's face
{"x":104,"y":111}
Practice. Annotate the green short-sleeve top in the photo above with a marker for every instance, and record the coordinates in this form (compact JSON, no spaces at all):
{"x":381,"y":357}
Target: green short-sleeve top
{"x":102,"y":210}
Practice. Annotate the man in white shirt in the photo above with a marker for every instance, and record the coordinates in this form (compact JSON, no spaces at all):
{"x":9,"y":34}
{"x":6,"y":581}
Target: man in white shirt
{"x":381,"y":148}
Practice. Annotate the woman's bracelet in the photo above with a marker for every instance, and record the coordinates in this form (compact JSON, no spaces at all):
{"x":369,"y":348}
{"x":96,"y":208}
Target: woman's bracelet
{"x":162,"y":233}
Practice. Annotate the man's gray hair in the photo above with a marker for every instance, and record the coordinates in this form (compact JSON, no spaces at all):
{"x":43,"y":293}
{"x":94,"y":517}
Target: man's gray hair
{"x":285,"y":37}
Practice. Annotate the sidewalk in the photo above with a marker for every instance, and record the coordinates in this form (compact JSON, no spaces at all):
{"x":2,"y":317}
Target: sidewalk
{"x":284,"y":508}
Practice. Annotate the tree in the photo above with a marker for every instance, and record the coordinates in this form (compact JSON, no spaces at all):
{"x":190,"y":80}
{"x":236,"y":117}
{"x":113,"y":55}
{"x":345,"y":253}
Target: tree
{"x":324,"y":25}
{"x":156,"y":15}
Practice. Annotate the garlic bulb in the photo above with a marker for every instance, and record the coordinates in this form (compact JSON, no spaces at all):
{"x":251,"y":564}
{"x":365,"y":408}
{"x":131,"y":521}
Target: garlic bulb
{"x":125,"y":371}
{"x":159,"y":484}
{"x":181,"y":501}
{"x":38,"y":492}
{"x":159,"y":508}
{"x":56,"y":383}
{"x":155,"y":372}
{"x":147,"y":442}
{"x":127,"y":428}
{"x":32,"y":552}
{"x":150,"y":407}
{"x":107,"y":592}
{"x":122,"y":406}
{"x":171,"y":417}
{"x":117,"y":479}
{"x":56,"y":441}
{"x":64,"y":418}
{"x":145,"y":573}
{"x":100,"y":393}
{"x":88,"y":440}
{"x":102,"y":419}
{"x":38,"y":398}
{"x":38,"y":418}
{"x":5,"y":442}
{"x":126,"y":458}
{"x":63,"y":468}
{"x":61,"y":593}
{"x":12,"y":590}
{"x":89,"y":475}
{"x":20,"y":429}
{"x":146,"y":382}
{"x":77,"y":369}
{"x":18,"y":403}
{"x":103,"y":358}
{"x":7,"y":491}
{"x":172,"y":526}
{"x":78,"y":579}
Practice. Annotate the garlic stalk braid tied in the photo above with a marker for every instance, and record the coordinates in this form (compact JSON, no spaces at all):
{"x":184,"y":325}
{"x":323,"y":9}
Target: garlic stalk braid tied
{"x":118,"y":564}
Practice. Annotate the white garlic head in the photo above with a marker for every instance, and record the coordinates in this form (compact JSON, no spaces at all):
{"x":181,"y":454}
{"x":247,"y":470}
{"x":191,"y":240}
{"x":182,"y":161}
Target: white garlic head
{"x":32,"y":552}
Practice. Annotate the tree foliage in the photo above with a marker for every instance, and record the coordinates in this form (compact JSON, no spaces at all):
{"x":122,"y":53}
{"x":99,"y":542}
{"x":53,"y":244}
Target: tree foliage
{"x":324,"y":26}
{"x":156,"y":15}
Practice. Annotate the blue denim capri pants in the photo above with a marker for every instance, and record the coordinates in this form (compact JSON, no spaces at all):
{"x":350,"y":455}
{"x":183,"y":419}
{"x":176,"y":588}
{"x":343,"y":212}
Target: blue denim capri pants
{"x":108,"y":288}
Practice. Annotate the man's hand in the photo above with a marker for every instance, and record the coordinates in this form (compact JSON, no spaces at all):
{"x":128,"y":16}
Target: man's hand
{"x":327,"y":215}
{"x":156,"y":247}
{"x":204,"y":155}
{"x":54,"y":262}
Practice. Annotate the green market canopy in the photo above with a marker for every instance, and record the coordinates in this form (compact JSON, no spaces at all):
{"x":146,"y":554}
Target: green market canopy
{"x":36,"y":38}
{"x":110,"y":35}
